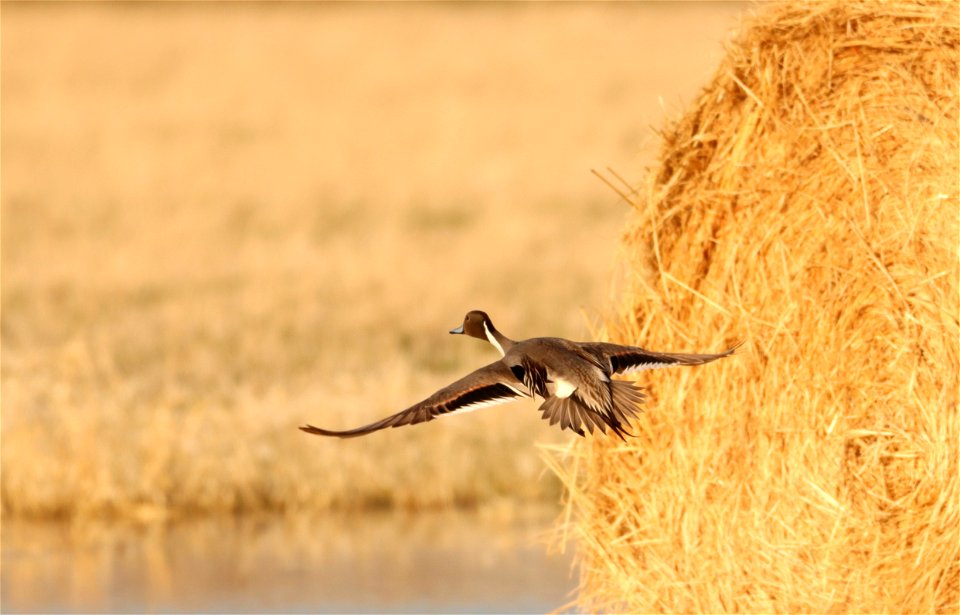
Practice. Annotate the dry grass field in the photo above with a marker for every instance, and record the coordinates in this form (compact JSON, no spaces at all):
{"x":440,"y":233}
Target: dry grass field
{"x":808,"y":202}
{"x":223,"y":221}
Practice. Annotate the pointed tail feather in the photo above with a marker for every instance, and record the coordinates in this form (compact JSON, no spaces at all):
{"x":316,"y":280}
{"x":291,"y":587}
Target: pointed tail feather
{"x":575,"y":416}
{"x":565,"y":411}
{"x":627,"y":398}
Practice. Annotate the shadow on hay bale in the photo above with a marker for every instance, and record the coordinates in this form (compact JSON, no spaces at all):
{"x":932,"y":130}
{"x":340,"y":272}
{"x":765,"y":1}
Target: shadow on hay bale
{"x":808,"y":202}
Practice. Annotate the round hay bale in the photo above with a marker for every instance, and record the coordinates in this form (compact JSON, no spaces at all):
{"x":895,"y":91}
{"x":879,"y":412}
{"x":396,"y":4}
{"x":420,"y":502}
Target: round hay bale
{"x":807,"y":204}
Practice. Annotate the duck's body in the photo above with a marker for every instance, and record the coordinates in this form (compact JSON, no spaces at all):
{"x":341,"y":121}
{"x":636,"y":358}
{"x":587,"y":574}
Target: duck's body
{"x":573,"y":378}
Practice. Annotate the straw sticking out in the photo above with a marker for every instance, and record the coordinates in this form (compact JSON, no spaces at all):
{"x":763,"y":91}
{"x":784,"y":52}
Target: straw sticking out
{"x":808,"y":202}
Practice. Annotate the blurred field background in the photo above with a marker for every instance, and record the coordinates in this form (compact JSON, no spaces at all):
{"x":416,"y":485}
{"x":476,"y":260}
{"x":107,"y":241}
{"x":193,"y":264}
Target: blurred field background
{"x":222,"y":221}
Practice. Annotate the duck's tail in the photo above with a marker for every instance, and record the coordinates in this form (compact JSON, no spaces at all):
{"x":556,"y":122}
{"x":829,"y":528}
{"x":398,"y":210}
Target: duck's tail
{"x":627,"y":398}
{"x":575,"y":416}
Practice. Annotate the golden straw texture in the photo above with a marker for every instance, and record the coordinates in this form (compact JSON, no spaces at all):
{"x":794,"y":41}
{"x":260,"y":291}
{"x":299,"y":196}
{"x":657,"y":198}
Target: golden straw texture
{"x":807,"y":203}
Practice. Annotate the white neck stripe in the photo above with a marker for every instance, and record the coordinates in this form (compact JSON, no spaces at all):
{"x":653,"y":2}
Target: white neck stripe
{"x":492,"y":339}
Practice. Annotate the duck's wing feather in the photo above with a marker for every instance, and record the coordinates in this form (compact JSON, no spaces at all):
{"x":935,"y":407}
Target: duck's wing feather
{"x":490,"y":385}
{"x":625,"y":359}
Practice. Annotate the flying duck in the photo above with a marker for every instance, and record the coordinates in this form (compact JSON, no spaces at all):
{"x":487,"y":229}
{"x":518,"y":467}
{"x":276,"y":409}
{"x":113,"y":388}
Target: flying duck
{"x":573,"y":378}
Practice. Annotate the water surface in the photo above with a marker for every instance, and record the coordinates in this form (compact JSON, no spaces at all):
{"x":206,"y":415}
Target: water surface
{"x":368,"y":562}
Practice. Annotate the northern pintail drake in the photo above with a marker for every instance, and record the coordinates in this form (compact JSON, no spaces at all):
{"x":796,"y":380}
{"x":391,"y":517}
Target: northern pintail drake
{"x":573,"y":378}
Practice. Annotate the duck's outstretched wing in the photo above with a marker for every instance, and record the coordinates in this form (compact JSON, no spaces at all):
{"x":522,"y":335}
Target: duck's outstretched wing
{"x":490,"y":385}
{"x":625,"y":359}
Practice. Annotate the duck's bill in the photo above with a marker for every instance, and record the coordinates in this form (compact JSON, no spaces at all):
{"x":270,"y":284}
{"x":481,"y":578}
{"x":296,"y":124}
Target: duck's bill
{"x":457,"y":331}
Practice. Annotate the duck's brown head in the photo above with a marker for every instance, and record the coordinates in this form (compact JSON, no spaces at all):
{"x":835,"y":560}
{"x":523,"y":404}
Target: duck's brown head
{"x":475,"y":324}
